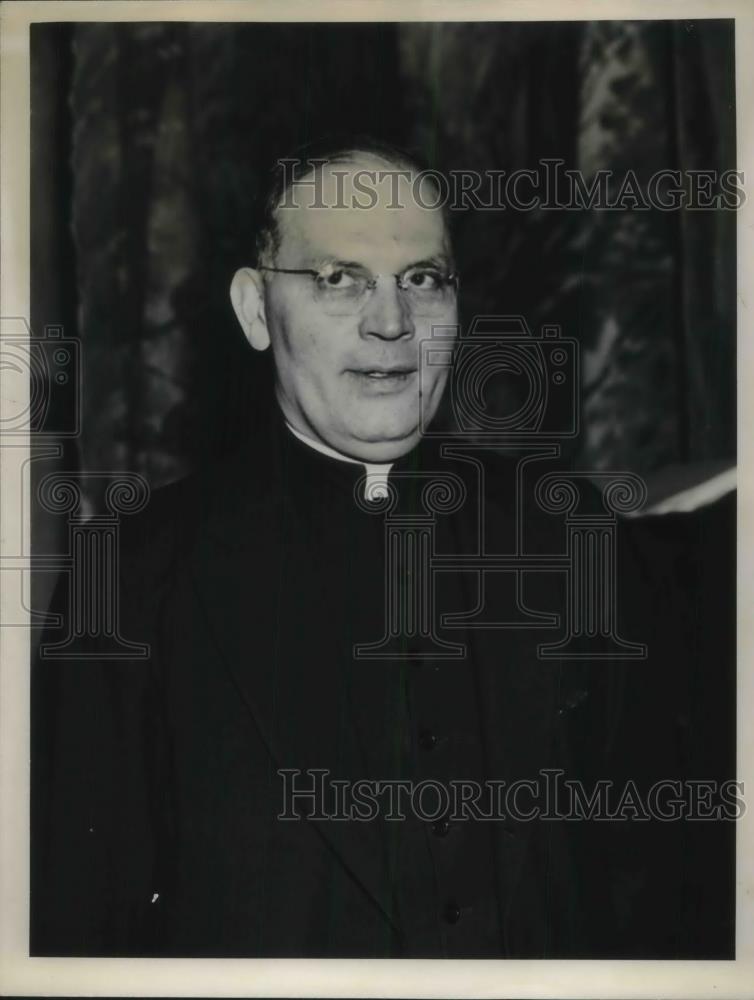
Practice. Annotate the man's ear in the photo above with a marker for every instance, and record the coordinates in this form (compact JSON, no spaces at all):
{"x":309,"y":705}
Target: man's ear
{"x":247,"y":297}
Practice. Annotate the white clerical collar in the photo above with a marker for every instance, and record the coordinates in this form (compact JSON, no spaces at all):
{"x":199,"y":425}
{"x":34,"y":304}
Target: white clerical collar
{"x":377,"y":474}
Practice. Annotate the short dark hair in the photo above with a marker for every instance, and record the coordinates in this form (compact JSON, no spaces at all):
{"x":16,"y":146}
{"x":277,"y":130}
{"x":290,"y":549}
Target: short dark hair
{"x":282,"y":174}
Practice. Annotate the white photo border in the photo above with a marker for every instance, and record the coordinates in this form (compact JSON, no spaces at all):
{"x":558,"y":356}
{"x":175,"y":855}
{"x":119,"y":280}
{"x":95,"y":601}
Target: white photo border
{"x":24,"y":976}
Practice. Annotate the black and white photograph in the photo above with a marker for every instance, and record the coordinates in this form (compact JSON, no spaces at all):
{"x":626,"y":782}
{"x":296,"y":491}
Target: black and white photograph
{"x":372,"y":568}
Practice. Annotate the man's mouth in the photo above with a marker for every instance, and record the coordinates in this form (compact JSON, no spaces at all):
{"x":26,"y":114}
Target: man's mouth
{"x":379,"y":373}
{"x":381,"y":379}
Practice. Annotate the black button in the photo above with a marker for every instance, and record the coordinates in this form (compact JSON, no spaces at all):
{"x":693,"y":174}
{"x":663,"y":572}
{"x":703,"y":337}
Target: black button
{"x":451,"y":913}
{"x":441,"y":827}
{"x":427,"y":740}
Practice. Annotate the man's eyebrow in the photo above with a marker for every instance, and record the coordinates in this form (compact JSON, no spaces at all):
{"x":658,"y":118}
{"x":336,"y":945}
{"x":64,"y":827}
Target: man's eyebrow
{"x":331,"y":261}
{"x":437,"y":260}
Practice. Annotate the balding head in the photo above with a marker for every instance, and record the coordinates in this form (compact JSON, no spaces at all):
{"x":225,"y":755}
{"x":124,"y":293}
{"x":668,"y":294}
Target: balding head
{"x":360,"y":175}
{"x":346,"y":288}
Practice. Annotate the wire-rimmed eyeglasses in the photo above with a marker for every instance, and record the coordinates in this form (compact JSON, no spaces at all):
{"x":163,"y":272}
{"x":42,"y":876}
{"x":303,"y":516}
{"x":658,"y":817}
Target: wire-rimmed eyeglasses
{"x":343,"y":289}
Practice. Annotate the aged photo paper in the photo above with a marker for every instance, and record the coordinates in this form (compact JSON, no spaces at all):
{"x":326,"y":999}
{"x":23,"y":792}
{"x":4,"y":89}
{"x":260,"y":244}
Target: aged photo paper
{"x":376,"y":500}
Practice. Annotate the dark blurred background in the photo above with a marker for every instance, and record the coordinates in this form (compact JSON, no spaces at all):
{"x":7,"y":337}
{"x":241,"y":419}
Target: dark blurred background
{"x":147,"y":145}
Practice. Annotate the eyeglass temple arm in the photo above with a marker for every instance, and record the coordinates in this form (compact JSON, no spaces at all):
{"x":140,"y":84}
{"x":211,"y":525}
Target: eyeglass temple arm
{"x":288,"y":270}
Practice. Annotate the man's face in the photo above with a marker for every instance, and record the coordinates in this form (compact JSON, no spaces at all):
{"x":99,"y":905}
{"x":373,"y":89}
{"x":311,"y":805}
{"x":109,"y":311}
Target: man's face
{"x":352,"y":381}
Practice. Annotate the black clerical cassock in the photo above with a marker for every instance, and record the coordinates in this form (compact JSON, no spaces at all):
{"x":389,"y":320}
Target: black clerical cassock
{"x":171,"y":813}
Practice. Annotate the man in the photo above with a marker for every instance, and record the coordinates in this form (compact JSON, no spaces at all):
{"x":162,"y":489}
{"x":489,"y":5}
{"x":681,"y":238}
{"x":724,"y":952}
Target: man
{"x":187,"y":804}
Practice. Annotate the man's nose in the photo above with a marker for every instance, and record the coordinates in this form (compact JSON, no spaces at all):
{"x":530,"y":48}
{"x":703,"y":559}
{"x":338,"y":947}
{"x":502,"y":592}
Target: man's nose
{"x":386,"y":315}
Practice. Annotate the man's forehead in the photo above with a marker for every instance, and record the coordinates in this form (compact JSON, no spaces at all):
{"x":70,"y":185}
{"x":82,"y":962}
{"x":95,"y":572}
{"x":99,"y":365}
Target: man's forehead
{"x":366,"y":207}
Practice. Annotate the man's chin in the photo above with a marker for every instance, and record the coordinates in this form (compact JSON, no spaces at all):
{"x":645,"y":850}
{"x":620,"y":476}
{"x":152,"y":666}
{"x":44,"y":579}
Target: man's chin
{"x":378,"y":448}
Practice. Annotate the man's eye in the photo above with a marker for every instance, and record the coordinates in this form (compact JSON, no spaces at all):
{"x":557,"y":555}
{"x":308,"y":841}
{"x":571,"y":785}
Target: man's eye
{"x":425,"y":280}
{"x":336,"y":278}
